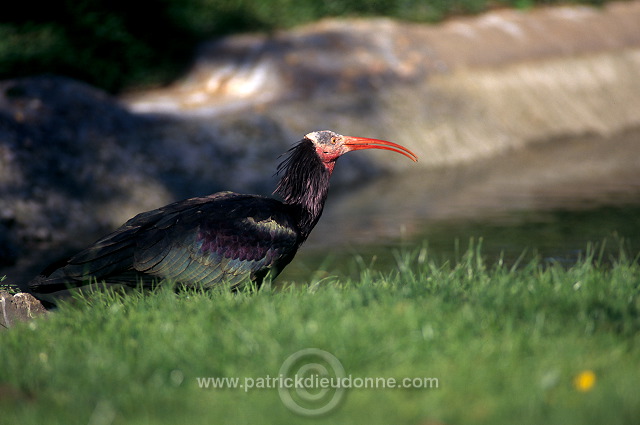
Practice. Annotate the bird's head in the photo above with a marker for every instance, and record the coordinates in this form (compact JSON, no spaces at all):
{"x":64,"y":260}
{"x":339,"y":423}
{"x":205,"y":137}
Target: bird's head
{"x":308,"y":166}
{"x":330,"y":146}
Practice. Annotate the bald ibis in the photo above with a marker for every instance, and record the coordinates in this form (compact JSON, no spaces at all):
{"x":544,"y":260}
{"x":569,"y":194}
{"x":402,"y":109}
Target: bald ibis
{"x":225,"y":237}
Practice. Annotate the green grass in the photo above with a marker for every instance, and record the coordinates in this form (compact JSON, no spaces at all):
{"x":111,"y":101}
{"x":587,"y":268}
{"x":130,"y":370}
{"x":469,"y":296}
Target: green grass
{"x":505,"y":345}
{"x":114,"y":46}
{"x":8,"y":287}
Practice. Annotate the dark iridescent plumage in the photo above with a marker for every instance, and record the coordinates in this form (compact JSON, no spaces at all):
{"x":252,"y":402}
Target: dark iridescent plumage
{"x":222,"y":238}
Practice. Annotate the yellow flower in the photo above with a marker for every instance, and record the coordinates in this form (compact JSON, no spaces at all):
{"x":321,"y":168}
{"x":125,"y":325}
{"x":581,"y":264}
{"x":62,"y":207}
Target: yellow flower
{"x":585,"y":380}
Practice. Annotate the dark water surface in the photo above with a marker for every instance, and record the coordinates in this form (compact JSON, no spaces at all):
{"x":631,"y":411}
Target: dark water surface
{"x":551,"y":199}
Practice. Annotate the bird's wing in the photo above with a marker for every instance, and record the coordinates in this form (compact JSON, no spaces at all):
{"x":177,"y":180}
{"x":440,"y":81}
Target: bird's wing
{"x":222,"y":237}
{"x":236,"y":239}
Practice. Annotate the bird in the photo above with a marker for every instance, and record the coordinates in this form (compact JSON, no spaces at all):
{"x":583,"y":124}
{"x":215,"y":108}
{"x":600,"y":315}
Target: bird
{"x":223,"y":238}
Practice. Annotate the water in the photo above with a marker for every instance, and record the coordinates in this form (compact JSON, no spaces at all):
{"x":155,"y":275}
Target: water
{"x":558,"y":236}
{"x":551,"y":200}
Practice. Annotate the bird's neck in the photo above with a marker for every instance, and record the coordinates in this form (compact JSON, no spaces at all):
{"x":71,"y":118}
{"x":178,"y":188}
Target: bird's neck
{"x":304,"y":185}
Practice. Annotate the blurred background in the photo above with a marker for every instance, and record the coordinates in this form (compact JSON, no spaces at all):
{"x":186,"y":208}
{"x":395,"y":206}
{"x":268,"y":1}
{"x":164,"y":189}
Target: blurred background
{"x":525,"y":116}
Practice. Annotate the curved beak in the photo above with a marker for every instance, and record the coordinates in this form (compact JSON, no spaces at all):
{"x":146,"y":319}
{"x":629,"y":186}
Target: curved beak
{"x":357,"y":143}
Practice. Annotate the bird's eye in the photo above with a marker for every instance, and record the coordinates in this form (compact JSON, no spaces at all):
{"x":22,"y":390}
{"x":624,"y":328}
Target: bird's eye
{"x":333,"y":140}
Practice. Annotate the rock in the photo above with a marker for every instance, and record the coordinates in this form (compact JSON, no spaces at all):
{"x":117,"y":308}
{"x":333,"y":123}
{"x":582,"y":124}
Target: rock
{"x":18,"y":307}
{"x":64,"y":164}
{"x":75,"y":164}
{"x":469,"y":88}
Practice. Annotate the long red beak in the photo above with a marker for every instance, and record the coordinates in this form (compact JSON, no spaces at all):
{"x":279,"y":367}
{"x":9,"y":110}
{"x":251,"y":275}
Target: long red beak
{"x":357,"y":143}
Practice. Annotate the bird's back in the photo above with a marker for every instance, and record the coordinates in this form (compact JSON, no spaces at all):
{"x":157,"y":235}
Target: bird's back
{"x":222,"y":238}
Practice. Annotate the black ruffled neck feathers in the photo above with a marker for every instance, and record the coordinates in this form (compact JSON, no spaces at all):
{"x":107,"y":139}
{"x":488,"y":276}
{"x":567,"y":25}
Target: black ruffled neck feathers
{"x":304,"y":184}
